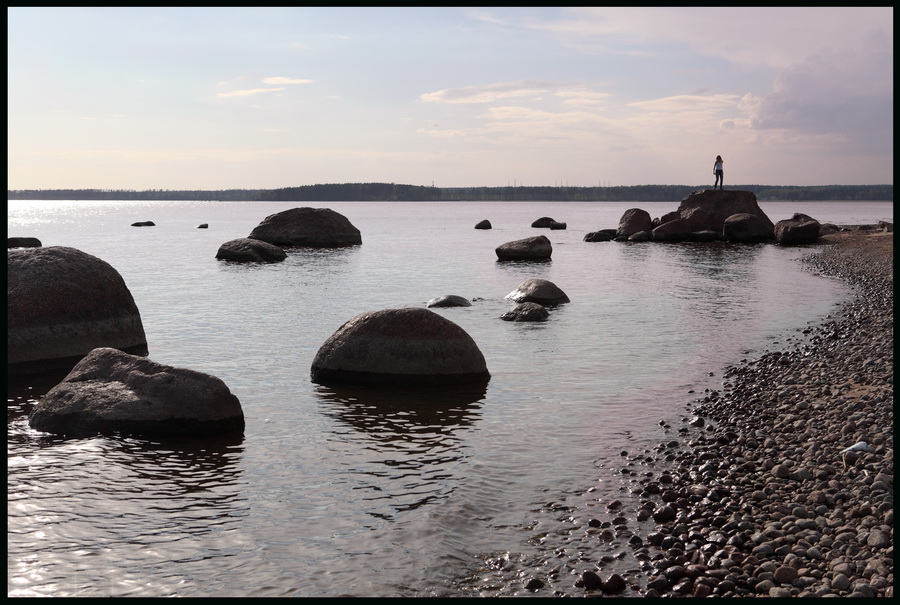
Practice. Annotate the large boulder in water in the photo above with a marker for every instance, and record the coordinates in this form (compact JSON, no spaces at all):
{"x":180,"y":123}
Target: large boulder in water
{"x":538,"y":291}
{"x":707,"y":210}
{"x":634,"y":220}
{"x":307,"y":228}
{"x":111,"y":392}
{"x":247,"y":250}
{"x":798,"y":230}
{"x":402,"y":347}
{"x":61,"y":304}
{"x":529,"y":248}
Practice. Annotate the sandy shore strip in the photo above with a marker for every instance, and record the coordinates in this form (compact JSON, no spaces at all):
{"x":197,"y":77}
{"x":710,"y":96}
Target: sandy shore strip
{"x":756,"y":496}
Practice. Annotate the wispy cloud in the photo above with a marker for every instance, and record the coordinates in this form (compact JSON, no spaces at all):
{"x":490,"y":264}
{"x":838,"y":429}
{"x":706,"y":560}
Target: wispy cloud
{"x":248,"y":92}
{"x":283,"y":80}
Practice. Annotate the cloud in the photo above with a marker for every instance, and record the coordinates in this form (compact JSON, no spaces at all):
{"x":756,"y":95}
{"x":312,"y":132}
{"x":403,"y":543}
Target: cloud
{"x":283,"y":80}
{"x":489,"y":93}
{"x":847,"y":94}
{"x":247,"y":93}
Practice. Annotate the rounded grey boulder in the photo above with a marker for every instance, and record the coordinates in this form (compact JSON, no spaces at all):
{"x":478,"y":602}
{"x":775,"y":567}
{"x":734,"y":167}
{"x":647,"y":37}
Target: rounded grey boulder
{"x":111,"y":392}
{"x":403,"y":347}
{"x":61,"y":304}
{"x":529,"y":248}
{"x":538,"y":291}
{"x":247,"y":250}
{"x":307,"y":228}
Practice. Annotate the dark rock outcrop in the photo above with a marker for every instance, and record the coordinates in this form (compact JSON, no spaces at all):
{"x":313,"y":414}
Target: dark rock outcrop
{"x":144,"y":224}
{"x":708,"y":209}
{"x":526,"y":311}
{"x":449,"y":300}
{"x":203,"y":226}
{"x":557,"y":226}
{"x":401,"y":347}
{"x":247,"y":250}
{"x":307,"y":228}
{"x":485,"y":224}
{"x":23,"y":242}
{"x":538,"y":291}
{"x":529,"y":248}
{"x":543,"y":223}
{"x":743,"y":228}
{"x":61,"y":304}
{"x":110,"y":392}
{"x":798,"y":230}
{"x":633,"y":221}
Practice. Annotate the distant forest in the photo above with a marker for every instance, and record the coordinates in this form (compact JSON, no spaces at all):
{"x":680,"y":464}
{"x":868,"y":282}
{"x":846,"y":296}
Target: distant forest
{"x":392,"y":192}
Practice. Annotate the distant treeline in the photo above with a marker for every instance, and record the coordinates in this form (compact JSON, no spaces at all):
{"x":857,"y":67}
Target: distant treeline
{"x":392,"y":192}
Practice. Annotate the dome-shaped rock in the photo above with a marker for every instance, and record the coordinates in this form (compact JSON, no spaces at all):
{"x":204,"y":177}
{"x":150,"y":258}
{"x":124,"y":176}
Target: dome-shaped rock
{"x":406,"y":347}
{"x":543,"y":223}
{"x":144,"y":224}
{"x":449,"y":300}
{"x":247,"y":250}
{"x":538,"y":291}
{"x":61,"y":304}
{"x":529,"y":248}
{"x":307,"y":228}
{"x":485,"y":224}
{"x":111,"y":392}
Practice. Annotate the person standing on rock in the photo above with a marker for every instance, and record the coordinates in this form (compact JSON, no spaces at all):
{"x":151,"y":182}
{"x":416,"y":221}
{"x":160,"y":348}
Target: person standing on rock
{"x":718,"y":171}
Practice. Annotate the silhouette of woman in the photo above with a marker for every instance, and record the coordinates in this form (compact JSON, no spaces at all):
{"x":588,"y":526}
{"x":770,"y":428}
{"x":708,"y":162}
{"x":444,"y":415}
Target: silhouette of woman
{"x":718,"y":171}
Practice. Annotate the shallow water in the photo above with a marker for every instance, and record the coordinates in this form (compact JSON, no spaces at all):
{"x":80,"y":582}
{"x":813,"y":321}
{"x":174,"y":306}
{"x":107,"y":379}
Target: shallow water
{"x":374,"y":492}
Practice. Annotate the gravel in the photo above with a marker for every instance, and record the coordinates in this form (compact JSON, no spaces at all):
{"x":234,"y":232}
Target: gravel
{"x":756,"y":496}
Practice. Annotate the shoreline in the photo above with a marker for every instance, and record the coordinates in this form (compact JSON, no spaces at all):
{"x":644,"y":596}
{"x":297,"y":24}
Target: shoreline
{"x":754,"y":497}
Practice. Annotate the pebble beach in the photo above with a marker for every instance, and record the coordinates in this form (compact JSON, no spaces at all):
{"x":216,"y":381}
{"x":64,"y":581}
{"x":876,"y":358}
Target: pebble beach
{"x":780,"y":484}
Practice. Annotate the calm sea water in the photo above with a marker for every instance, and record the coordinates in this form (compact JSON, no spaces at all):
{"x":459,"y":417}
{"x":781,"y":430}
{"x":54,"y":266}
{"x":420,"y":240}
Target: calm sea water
{"x":372,"y":492}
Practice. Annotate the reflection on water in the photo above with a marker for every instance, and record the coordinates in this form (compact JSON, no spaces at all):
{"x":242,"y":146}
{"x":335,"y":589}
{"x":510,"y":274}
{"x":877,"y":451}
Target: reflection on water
{"x":411,"y":439}
{"x":107,"y":510}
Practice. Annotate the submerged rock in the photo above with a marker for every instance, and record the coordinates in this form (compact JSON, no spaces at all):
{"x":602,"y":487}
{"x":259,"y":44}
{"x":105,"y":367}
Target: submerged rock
{"x":247,"y":250}
{"x":449,"y":300}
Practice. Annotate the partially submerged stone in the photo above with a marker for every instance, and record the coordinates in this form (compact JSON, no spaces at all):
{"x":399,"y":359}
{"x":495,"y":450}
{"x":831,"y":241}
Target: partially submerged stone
{"x":538,"y":291}
{"x":307,"y":228}
{"x":111,"y":392}
{"x":404,"y":347}
{"x":526,"y":311}
{"x":61,"y":304}
{"x":449,"y":300}
{"x":247,"y":250}
{"x":529,"y":248}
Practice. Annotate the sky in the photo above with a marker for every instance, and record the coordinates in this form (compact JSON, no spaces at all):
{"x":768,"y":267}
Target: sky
{"x":263,"y":98}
